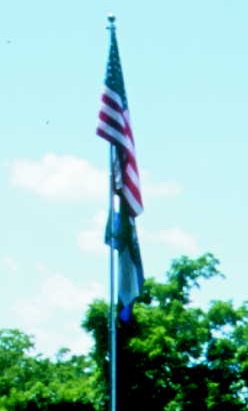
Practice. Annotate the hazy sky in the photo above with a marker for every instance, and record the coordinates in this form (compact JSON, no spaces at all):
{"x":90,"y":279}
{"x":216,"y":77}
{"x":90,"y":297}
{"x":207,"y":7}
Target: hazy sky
{"x":185,"y":66}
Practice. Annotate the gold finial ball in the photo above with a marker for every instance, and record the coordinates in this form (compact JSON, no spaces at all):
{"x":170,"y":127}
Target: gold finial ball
{"x":111,"y":18}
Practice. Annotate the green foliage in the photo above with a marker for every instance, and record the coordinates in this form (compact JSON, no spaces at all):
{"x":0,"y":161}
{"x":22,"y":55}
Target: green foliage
{"x":172,"y":357}
{"x":96,"y":323}
{"x":36,"y":383}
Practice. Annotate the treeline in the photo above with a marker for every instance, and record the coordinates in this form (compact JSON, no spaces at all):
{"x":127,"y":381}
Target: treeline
{"x":172,"y":357}
{"x":37,"y":383}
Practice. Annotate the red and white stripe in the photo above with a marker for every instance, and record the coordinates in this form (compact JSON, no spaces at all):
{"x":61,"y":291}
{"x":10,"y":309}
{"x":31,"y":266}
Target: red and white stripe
{"x":114,"y":126}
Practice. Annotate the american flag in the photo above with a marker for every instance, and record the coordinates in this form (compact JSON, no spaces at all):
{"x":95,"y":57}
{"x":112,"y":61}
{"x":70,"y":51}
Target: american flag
{"x":114,"y":126}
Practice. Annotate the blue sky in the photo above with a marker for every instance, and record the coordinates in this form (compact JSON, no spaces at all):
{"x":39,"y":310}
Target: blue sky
{"x":185,"y":66}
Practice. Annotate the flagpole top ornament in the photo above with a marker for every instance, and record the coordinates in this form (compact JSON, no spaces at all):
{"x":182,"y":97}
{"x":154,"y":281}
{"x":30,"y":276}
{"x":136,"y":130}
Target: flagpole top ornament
{"x":111,"y":19}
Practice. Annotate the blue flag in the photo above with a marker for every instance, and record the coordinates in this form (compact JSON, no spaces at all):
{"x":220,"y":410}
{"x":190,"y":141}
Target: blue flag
{"x":131,"y":277}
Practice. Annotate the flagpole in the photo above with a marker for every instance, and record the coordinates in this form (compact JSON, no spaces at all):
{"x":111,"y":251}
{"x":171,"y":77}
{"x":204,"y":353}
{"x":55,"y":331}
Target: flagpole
{"x":112,"y":319}
{"x":112,"y":314}
{"x":120,"y":234}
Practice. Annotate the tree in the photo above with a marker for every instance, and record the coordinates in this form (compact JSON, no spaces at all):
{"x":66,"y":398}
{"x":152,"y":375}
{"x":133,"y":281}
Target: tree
{"x":174,"y":357}
{"x":35,"y":383}
{"x":171,"y":357}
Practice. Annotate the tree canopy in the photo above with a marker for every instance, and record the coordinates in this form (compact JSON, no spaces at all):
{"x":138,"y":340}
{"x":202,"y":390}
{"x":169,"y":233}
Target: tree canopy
{"x":32,"y":382}
{"x":173,"y":356}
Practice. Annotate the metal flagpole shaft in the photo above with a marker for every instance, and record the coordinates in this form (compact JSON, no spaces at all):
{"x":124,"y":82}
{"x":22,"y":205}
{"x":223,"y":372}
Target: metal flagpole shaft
{"x":112,"y":319}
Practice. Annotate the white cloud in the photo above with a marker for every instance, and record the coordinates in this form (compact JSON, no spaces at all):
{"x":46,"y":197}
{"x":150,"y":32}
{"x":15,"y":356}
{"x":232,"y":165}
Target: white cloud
{"x":162,"y":189}
{"x":92,"y":239}
{"x":73,"y":338}
{"x":156,"y":189}
{"x":56,"y":292}
{"x":180,"y":239}
{"x":62,"y":293}
{"x":61,"y":177}
{"x":67,"y":177}
{"x":41,"y":268}
{"x":99,"y":219}
{"x":54,"y":313}
{"x":174,"y":237}
{"x":10,"y":264}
